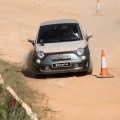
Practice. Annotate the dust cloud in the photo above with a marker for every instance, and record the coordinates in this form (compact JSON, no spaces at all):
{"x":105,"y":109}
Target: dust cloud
{"x":27,"y":63}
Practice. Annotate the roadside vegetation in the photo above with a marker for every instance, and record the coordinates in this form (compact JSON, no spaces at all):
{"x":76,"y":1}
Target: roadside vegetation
{"x":13,"y":77}
{"x":7,"y":110}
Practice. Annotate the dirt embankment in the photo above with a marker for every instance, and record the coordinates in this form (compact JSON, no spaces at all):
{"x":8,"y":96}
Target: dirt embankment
{"x":76,"y":98}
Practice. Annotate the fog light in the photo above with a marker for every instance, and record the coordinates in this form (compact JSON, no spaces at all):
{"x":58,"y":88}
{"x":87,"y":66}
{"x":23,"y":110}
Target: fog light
{"x":83,"y":57}
{"x":38,"y":61}
{"x":47,"y":68}
{"x":76,"y":65}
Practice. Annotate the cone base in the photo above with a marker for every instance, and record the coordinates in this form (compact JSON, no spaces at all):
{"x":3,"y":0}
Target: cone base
{"x":104,"y":76}
{"x":98,"y":12}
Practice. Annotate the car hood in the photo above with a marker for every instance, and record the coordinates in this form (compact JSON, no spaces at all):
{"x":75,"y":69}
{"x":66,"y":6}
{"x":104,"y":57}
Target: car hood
{"x":61,"y":46}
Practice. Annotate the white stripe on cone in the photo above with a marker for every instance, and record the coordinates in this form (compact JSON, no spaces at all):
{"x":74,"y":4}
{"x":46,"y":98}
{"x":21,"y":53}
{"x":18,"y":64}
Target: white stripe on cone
{"x":103,"y":62}
{"x":98,"y":6}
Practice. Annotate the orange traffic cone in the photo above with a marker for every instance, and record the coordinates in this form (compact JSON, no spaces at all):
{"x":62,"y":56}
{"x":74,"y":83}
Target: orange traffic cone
{"x":98,"y":8}
{"x":104,"y":70}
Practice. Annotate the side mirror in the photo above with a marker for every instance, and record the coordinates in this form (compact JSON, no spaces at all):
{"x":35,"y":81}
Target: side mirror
{"x":31,"y":40}
{"x":89,"y":35}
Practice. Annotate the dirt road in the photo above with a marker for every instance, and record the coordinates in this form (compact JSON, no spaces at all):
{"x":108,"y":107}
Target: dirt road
{"x":75,"y":97}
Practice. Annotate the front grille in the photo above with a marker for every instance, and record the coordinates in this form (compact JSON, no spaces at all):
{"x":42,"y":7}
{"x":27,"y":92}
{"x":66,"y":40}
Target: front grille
{"x":61,"y":59}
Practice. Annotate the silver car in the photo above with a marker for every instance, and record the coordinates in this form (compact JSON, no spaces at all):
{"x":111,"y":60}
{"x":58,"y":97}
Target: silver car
{"x":61,"y":47}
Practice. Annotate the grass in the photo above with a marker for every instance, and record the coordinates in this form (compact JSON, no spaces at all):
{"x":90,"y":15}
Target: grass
{"x":14,"y":78}
{"x":7,"y":111}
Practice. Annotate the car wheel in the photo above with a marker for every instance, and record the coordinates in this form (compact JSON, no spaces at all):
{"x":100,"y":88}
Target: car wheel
{"x":34,"y":75}
{"x":90,"y":68}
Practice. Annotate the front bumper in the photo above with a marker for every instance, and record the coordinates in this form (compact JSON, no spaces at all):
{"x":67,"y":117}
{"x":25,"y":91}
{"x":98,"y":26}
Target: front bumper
{"x":48,"y":69}
{"x":77,"y":64}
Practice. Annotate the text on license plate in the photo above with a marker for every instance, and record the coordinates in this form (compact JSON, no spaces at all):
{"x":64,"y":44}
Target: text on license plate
{"x":67,"y":64}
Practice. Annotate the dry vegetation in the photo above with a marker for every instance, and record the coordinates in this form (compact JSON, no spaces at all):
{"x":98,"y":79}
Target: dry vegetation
{"x":14,"y":77}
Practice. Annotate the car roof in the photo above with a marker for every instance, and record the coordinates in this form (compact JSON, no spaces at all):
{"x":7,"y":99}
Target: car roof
{"x":59,"y":21}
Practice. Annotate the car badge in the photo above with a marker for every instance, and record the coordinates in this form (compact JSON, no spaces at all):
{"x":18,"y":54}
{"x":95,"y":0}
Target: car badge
{"x":60,"y":56}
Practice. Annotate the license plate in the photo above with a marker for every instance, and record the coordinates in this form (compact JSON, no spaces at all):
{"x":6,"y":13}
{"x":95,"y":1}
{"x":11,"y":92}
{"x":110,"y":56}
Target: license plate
{"x":57,"y":65}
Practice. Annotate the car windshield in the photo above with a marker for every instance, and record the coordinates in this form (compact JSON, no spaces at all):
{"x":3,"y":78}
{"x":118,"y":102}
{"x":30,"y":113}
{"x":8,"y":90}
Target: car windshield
{"x":59,"y":33}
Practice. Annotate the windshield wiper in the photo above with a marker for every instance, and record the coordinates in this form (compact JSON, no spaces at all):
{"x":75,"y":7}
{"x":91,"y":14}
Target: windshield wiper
{"x":67,"y":39}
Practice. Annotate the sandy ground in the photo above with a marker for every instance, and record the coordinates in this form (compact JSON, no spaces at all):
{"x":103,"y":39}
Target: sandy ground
{"x":75,"y":98}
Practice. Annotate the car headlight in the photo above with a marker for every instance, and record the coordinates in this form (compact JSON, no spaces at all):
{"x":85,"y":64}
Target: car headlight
{"x":80,"y":51}
{"x":40,"y":54}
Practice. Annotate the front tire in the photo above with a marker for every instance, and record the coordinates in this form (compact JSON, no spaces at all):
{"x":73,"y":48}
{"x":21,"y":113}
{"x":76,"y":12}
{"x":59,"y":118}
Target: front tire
{"x":34,"y":75}
{"x":90,"y":68}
